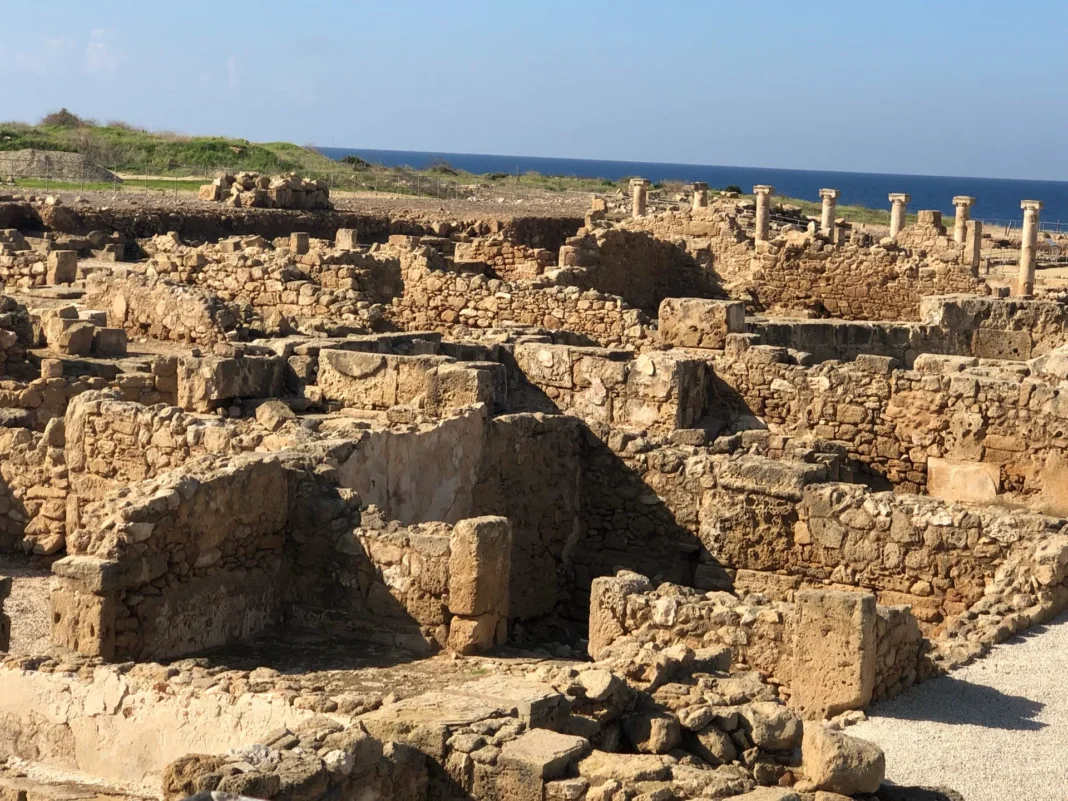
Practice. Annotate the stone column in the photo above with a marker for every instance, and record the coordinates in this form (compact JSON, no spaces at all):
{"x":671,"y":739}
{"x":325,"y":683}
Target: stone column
{"x":973,"y":243}
{"x":963,"y":204}
{"x":830,"y":206}
{"x":639,"y":190}
{"x":763,"y":211}
{"x":1028,"y":247}
{"x":700,"y":195}
{"x":899,"y":205}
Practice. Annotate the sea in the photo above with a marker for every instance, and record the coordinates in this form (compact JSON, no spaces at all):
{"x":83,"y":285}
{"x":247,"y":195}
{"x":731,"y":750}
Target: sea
{"x":997,"y":199}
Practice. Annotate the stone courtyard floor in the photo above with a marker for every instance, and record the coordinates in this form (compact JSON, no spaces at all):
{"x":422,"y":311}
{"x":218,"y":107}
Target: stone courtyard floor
{"x":995,"y":730}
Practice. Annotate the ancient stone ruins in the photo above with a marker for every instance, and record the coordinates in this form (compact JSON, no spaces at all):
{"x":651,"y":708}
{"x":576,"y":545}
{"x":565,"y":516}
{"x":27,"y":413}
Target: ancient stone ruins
{"x":329,"y":504}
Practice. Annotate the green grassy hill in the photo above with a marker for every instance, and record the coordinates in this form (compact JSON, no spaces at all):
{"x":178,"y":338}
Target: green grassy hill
{"x":123,"y":148}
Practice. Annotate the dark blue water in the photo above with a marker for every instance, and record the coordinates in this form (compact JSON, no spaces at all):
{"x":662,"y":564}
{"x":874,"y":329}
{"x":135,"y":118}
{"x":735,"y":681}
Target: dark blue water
{"x":997,"y":199}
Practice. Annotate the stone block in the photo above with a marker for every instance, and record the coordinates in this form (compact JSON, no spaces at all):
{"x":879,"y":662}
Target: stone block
{"x":51,"y":368}
{"x":534,"y":703}
{"x":963,"y":481}
{"x":62,"y":267}
{"x":480,"y":566}
{"x":299,"y":243}
{"x":475,"y":635}
{"x":543,"y":753}
{"x":837,"y":763}
{"x":76,"y":339}
{"x":345,"y":239}
{"x":989,"y":343}
{"x":109,"y":342}
{"x":273,"y":414}
{"x":834,"y":652}
{"x":452,"y":386}
{"x":83,"y":622}
{"x":698,"y":323}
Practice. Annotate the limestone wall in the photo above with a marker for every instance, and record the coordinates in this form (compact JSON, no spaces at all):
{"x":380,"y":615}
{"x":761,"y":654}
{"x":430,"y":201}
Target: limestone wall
{"x":508,"y":260}
{"x":655,"y":391}
{"x":833,"y":651}
{"x":440,"y":299}
{"x":893,"y":422}
{"x":157,"y":308}
{"x":852,"y":280}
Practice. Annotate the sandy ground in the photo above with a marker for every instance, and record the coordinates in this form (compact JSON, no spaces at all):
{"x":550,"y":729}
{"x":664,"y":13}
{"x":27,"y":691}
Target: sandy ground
{"x":995,"y":730}
{"x":29,"y":606}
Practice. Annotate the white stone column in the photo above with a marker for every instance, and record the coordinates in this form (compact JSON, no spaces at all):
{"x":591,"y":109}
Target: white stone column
{"x":763,"y":211}
{"x":899,"y":206}
{"x":700,"y":195}
{"x":639,"y":190}
{"x":1028,"y":247}
{"x":830,"y":207}
{"x":963,"y":204}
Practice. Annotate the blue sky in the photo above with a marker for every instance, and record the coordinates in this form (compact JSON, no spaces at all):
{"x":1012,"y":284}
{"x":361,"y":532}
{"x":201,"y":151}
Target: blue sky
{"x":961,"y":87}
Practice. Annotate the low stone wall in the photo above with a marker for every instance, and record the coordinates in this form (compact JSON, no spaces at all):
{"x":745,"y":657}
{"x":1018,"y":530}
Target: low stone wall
{"x":159,"y":309}
{"x":998,"y":328}
{"x":993,"y":414}
{"x":440,"y":299}
{"x":831,"y":649}
{"x":508,"y":260}
{"x":655,"y":391}
{"x":381,"y":381}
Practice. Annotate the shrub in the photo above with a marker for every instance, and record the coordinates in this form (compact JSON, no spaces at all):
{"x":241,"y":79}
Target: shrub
{"x":442,"y":166}
{"x":733,"y":188}
{"x":355,"y":162}
{"x":65,"y":119}
{"x":497,"y":176}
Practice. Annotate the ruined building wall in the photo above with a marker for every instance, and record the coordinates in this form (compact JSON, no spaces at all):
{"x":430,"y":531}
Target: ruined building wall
{"x":214,"y":553}
{"x":159,"y":309}
{"x":438,"y":299}
{"x":892,"y":422}
{"x":508,"y":260}
{"x":848,"y":280}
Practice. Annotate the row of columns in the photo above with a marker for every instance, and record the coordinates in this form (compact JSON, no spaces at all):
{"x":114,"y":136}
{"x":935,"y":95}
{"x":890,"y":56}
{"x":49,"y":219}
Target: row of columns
{"x":899,"y":203}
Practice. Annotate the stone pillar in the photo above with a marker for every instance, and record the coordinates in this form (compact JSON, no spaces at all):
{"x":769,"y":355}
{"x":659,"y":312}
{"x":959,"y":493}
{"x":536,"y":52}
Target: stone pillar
{"x":639,"y":190}
{"x":700,"y":195}
{"x":763,"y":211}
{"x":1028,"y":247}
{"x":830,"y":207}
{"x":963,"y":204}
{"x":899,"y":206}
{"x":973,"y":243}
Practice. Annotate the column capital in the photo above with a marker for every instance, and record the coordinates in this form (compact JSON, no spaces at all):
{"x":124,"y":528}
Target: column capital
{"x":832,"y":194}
{"x":1031,"y":205}
{"x":763,"y":189}
{"x":699,"y":186}
{"x":963,"y":200}
{"x":900,"y":197}
{"x":635,"y":182}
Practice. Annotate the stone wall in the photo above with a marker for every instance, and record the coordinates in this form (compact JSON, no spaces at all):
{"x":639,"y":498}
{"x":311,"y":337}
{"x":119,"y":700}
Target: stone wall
{"x":217,"y":552}
{"x":655,"y":391}
{"x":508,"y":260}
{"x":157,"y":308}
{"x":799,"y":270}
{"x":832,"y":650}
{"x":440,"y":299}
{"x":993,"y":413}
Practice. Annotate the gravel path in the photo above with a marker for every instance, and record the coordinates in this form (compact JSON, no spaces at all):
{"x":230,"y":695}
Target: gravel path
{"x":29,"y":606}
{"x":994,"y":730}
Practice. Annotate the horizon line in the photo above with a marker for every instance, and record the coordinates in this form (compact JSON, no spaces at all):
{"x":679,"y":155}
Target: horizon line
{"x":683,"y":164}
